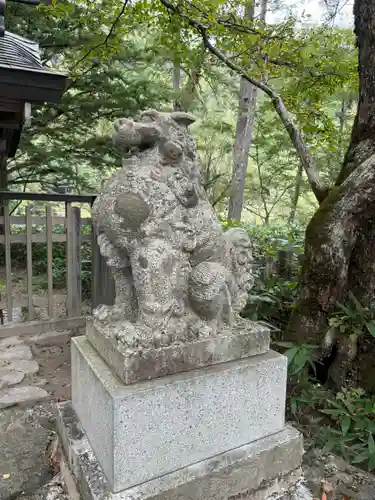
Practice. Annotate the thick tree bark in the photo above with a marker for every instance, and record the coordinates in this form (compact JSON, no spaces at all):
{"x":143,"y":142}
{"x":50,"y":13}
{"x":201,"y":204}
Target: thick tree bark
{"x":244,"y":132}
{"x":340,"y":239}
{"x":331,"y":237}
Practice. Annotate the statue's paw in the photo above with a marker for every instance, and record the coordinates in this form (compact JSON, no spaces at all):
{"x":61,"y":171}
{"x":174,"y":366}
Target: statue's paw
{"x":107,"y":314}
{"x":137,"y":337}
{"x":102,"y":313}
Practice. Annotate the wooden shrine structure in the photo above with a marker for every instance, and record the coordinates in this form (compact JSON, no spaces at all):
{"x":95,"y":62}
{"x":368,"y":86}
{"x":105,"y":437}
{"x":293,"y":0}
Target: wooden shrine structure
{"x":23,"y":81}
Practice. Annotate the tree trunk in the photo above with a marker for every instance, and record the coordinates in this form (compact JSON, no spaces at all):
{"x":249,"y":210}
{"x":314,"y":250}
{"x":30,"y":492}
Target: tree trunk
{"x":340,"y":238}
{"x":296,"y":195}
{"x":244,"y":129}
{"x":176,"y":82}
{"x":189,"y":92}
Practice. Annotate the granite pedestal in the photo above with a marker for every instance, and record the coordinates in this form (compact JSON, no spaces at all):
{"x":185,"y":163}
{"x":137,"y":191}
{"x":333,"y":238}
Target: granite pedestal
{"x":211,"y":432}
{"x":256,"y":471}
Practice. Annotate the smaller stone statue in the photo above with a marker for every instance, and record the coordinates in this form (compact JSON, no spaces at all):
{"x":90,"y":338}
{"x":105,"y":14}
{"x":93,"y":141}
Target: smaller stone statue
{"x":178,"y":276}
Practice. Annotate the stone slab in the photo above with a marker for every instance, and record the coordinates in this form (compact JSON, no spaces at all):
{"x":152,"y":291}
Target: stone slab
{"x":132,"y":367}
{"x":19,"y":351}
{"x":9,"y":342}
{"x":11,"y":396}
{"x":149,"y":429}
{"x":13,"y":371}
{"x":253,"y":471}
{"x":10,"y":377}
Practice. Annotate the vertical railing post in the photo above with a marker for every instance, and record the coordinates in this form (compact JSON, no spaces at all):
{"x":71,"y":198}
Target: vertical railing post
{"x":29,"y":257}
{"x":95,"y":269}
{"x":8,"y":263}
{"x":73,"y":231}
{"x":102,"y":282}
{"x":49,"y":230}
{"x":77,"y":258}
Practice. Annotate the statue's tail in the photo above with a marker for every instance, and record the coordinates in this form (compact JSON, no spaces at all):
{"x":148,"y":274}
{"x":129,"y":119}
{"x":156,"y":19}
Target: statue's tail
{"x":239,"y":245}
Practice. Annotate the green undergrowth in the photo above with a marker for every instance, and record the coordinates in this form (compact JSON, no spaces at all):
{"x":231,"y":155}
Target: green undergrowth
{"x":342,"y":422}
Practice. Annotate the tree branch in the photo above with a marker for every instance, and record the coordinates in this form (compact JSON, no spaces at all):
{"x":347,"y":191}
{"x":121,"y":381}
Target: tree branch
{"x":105,"y":41}
{"x":294,"y":133}
{"x":313,"y":72}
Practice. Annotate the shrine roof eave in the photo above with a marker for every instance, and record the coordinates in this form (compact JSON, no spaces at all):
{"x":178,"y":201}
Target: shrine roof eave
{"x":31,"y":85}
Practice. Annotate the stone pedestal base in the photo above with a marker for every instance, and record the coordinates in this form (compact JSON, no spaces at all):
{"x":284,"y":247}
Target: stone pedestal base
{"x":149,"y":429}
{"x":249,"y":339}
{"x":251,"y":472}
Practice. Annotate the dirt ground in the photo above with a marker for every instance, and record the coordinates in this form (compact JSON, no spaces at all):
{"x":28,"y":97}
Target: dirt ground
{"x":54,"y":369}
{"x":26,"y":431}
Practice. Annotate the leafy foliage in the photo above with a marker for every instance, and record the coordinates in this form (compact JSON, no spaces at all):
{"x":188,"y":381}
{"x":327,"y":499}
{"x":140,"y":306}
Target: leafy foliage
{"x":352,"y":435}
{"x":353,"y":319}
{"x":70,"y":142}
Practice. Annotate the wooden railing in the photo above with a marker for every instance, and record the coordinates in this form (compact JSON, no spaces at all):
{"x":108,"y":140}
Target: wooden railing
{"x":41,"y":229}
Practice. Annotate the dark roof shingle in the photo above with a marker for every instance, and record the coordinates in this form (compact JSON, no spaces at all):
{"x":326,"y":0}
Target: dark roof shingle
{"x":18,"y":52}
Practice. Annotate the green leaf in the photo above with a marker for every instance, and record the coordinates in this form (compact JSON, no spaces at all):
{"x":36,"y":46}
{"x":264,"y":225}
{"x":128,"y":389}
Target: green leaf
{"x":332,"y":411}
{"x":371,"y":462}
{"x":362,"y":457}
{"x":329,"y":446}
{"x":370,"y":325}
{"x":293,"y":405}
{"x":291,"y":353}
{"x":371,"y":445}
{"x":345,"y":422}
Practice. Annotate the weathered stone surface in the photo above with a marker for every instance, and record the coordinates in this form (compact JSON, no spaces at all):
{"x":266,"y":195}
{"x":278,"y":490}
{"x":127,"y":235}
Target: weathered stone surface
{"x":19,"y":351}
{"x":340,"y":479}
{"x":254,"y":471}
{"x":9,"y":341}
{"x":21,"y":395}
{"x":10,"y":377}
{"x":24,"y":436}
{"x":177,"y":358}
{"x":27,"y":366}
{"x":13,"y":371}
{"x":179,"y":277}
{"x":53,"y":490}
{"x":297,"y":491}
{"x":152,"y":428}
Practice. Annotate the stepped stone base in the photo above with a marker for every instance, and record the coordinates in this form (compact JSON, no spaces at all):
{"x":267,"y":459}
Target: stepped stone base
{"x":146,"y":430}
{"x":256,"y":471}
{"x":252,"y":339}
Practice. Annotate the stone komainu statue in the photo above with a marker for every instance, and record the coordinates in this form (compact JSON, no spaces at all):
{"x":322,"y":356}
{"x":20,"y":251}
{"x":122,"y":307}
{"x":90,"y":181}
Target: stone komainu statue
{"x":178,"y":276}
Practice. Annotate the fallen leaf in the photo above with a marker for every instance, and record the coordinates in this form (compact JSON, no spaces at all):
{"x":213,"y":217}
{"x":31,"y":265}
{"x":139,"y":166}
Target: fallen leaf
{"x":6,"y":476}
